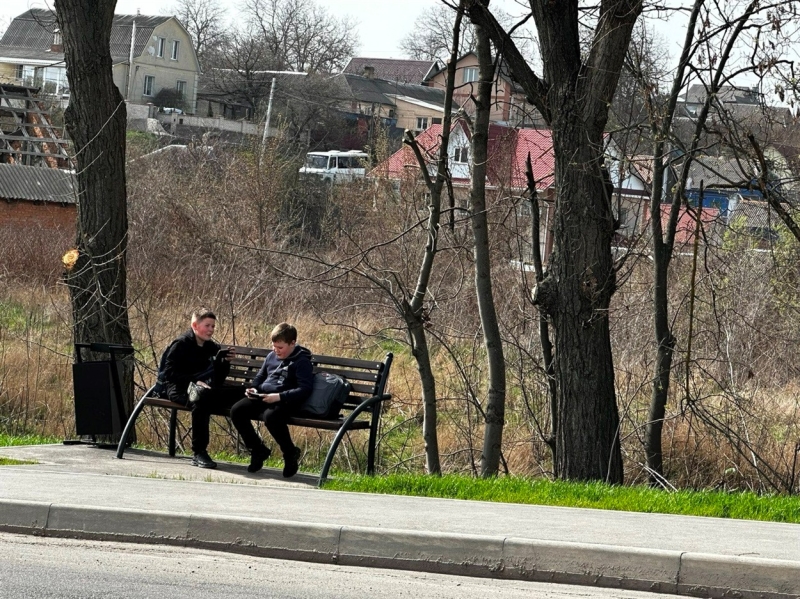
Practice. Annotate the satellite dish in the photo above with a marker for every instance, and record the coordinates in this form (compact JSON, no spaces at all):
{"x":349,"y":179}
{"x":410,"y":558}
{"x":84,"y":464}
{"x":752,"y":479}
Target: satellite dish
{"x":151,"y":51}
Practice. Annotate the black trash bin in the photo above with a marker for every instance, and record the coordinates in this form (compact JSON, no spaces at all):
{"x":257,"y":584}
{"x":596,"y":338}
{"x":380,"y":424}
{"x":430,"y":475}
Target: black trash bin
{"x":99,"y":409}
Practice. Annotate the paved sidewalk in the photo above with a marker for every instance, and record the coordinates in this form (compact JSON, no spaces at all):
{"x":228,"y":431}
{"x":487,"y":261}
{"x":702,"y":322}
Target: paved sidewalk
{"x":84,"y":491}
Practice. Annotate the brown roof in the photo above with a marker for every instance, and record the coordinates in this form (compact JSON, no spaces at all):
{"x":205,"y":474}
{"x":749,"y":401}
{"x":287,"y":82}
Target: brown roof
{"x":392,"y":69}
{"x":30,"y":35}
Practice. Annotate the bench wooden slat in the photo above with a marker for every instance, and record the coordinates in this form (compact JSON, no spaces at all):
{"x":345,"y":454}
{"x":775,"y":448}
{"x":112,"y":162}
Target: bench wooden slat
{"x":351,"y":375}
{"x":346,"y":362}
{"x":331,"y":425}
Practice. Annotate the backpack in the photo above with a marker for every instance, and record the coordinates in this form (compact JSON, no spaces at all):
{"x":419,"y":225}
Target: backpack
{"x":329,"y":394}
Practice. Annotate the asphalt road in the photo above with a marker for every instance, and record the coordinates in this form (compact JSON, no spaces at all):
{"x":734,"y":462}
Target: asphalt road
{"x":50,"y":568}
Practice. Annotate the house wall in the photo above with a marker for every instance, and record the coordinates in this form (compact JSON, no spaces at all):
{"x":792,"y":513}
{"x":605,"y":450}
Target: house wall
{"x":407,"y":114}
{"x":8,"y":73}
{"x":21,"y":215}
{"x":166,"y":71}
{"x":501,"y":91}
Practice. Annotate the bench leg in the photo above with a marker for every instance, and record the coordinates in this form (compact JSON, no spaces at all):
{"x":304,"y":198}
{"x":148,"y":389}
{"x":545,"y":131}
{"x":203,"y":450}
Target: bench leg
{"x":129,"y":426}
{"x":173,"y":425}
{"x":323,"y":476}
{"x":373,"y":439}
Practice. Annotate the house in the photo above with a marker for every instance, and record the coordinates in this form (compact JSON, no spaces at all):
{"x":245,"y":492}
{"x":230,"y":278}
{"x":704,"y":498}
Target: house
{"x":392,"y":69}
{"x":509,"y":106}
{"x":508,"y":151}
{"x":37,"y":193}
{"x":411,"y":106}
{"x":153,"y":58}
{"x":33,"y":198}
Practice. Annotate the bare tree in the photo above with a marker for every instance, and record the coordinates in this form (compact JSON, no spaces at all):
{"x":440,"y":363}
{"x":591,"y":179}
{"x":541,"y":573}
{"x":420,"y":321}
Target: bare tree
{"x":301,"y":35}
{"x":573,"y":93}
{"x":96,"y":120}
{"x":240,"y":69}
{"x":203,"y":20}
{"x":431,"y":36}
{"x":495,"y":404}
{"x":709,"y":57}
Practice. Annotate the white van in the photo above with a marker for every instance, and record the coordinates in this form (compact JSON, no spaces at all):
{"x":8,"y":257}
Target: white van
{"x":336,"y":166}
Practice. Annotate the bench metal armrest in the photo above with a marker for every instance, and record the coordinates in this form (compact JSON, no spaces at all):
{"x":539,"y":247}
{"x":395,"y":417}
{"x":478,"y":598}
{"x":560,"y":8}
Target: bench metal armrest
{"x":132,"y":421}
{"x":359,"y":409}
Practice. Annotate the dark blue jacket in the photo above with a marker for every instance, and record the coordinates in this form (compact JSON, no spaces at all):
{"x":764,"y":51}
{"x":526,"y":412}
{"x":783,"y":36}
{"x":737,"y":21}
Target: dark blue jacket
{"x":292,"y":378}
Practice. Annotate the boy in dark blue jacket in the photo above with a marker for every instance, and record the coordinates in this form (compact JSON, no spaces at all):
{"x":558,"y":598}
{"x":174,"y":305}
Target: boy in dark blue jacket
{"x":284,"y":382}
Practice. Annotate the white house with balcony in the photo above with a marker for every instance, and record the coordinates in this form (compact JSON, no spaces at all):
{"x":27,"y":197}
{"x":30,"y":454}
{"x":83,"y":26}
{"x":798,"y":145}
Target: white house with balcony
{"x":149,"y":54}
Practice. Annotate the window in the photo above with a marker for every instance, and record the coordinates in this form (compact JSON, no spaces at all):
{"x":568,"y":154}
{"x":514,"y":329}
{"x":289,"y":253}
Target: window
{"x":174,"y":53}
{"x":181,"y":87}
{"x":436,"y":121}
{"x":149,"y":84}
{"x":26,"y":74}
{"x":461,"y":155}
{"x":160,"y":43}
{"x":422,"y":123}
{"x":470,"y":74}
{"x":54,"y":80}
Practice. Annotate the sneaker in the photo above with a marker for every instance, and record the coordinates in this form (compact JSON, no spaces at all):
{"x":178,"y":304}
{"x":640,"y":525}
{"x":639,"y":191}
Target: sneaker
{"x":257,"y":458}
{"x":290,"y":465}
{"x":202,"y":460}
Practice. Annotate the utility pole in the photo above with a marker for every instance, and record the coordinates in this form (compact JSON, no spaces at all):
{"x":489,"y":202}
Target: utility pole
{"x":266,"y":123}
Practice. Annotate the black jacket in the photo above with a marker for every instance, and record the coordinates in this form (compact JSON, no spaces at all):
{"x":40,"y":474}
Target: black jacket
{"x":185,"y":361}
{"x":292,"y":378}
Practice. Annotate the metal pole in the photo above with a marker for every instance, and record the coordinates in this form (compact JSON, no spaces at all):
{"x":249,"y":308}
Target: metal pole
{"x":269,"y":114}
{"x":130,"y":60}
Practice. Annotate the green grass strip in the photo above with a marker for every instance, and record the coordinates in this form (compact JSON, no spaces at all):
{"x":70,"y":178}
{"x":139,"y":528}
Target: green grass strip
{"x":16,"y":440}
{"x":13,"y":462}
{"x":718,"y":504}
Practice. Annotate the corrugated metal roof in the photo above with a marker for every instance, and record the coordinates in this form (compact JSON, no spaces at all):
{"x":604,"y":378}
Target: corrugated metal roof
{"x":379,"y":90}
{"x":36,"y":183}
{"x":30,"y":35}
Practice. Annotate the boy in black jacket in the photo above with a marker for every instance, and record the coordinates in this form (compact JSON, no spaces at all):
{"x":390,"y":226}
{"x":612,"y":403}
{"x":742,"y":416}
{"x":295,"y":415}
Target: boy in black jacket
{"x":195,"y":358}
{"x":284,"y":382}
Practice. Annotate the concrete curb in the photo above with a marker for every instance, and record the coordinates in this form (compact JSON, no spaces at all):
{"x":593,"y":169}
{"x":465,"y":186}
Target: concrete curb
{"x":449,"y":553}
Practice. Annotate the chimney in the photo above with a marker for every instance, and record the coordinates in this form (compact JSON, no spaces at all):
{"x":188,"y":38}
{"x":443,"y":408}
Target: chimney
{"x":369,"y":72}
{"x":56,"y":46}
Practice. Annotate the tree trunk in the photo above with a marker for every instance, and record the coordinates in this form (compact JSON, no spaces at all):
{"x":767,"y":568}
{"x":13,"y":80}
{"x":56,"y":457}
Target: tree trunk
{"x":96,"y":120}
{"x":576,"y":294}
{"x":496,"y":401}
{"x":573,"y":95}
{"x":413,"y":308}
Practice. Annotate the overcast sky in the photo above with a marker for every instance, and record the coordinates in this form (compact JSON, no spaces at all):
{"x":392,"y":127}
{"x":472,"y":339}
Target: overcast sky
{"x":381,"y":23}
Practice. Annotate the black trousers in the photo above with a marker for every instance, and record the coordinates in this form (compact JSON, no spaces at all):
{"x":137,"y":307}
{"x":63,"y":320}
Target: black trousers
{"x":215,"y":400}
{"x":275,"y":416}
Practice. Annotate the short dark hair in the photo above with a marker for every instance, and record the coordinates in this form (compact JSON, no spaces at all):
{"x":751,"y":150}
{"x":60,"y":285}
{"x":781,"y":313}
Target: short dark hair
{"x":199,"y":314}
{"x":284,"y":332}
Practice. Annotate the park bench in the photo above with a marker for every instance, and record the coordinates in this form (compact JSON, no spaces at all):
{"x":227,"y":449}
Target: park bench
{"x":361,"y":411}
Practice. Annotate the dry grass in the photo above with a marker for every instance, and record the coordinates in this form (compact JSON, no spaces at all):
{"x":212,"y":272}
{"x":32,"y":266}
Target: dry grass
{"x":223,"y":234}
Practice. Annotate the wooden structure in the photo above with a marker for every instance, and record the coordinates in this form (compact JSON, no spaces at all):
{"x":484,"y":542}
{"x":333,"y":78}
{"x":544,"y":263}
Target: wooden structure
{"x":27,"y":135}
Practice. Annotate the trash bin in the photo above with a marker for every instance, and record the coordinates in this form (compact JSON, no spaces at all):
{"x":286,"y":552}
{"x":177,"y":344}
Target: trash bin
{"x":97,"y":385}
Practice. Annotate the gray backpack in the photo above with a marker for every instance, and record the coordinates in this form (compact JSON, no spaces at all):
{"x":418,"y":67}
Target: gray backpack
{"x":329,"y":394}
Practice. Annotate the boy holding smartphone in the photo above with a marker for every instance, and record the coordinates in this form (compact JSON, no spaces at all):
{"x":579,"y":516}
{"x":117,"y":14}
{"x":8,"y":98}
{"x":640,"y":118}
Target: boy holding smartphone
{"x":284,"y":382}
